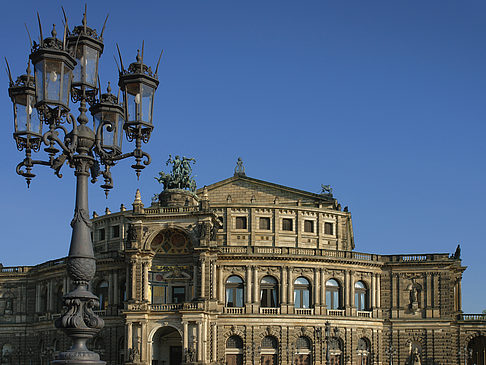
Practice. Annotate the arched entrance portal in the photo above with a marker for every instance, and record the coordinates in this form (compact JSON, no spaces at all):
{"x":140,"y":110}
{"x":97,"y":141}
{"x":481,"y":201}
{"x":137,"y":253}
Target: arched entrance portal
{"x":477,"y":351}
{"x":167,"y":347}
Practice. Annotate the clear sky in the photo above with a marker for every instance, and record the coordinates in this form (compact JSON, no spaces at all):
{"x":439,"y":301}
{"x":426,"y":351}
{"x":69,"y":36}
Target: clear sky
{"x":384,"y":100}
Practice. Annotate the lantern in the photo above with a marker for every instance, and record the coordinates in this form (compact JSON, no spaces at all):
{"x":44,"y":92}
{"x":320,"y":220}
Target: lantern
{"x":27,"y":126}
{"x":87,"y":48}
{"x":138,"y":85}
{"x":53,"y":67}
{"x":108,"y":119}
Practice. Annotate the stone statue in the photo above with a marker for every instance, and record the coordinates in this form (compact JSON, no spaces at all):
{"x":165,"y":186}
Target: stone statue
{"x":239,"y":169}
{"x":457,"y":254}
{"x":413,"y":294}
{"x":415,"y":358}
{"x":180,"y":177}
{"x":326,"y":189}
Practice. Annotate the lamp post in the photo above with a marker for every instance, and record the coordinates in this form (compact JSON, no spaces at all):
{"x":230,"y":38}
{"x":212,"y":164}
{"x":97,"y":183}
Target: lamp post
{"x":390,"y":351}
{"x":467,"y":353}
{"x":327,"y":338}
{"x":67,"y":68}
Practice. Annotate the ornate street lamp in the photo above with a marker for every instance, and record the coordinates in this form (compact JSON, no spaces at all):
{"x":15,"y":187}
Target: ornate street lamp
{"x":66,"y":69}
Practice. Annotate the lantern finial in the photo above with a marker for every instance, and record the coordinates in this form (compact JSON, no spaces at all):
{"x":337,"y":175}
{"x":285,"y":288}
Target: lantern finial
{"x":108,"y":89}
{"x":53,"y":32}
{"x":138,"y":56}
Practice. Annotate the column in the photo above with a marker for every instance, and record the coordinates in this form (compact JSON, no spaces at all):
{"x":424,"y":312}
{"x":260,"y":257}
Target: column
{"x":205,"y":340}
{"x":146,"y":281}
{"x":143,"y":342}
{"x":428,"y":287}
{"x":315,"y":288}
{"x":50,"y":295}
{"x":373,"y":291}
{"x":215,"y":342}
{"x":65,"y":286}
{"x":194,"y":281}
{"x":351,"y":288}
{"x":116,"y":294}
{"x":323,"y":288}
{"x":284,"y":285}
{"x":185,"y":335}
{"x":110,"y":288}
{"x":203,"y":278}
{"x":256,"y":296}
{"x":221,"y":298}
{"x":248,"y":284}
{"x":215,"y":287}
{"x":394,"y":287}
{"x":378,"y":290}
{"x":459,"y":294}
{"x":199,"y":341}
{"x":37,"y":297}
{"x":133,"y":291}
{"x":346,"y":289}
{"x":290,"y":295}
{"x":129,"y":338}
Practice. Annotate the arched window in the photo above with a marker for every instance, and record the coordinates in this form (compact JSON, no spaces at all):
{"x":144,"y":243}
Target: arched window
{"x":360,"y":296}
{"x":43,"y":299}
{"x":234,"y":291}
{"x":234,"y":350}
{"x":59,"y":295}
{"x":363,"y":351}
{"x":302,"y":351}
{"x":122,"y":293}
{"x":335,"y":351}
{"x":102,"y":293}
{"x":269,"y":351}
{"x":302,"y":293}
{"x":333,"y":294}
{"x":269,"y":292}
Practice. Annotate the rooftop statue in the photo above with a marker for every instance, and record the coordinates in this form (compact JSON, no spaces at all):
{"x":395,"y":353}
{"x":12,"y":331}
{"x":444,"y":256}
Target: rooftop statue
{"x":326,"y":190}
{"x":180,"y":177}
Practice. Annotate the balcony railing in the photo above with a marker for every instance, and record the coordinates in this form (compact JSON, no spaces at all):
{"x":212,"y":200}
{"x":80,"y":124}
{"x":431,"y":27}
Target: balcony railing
{"x":170,"y":210}
{"x":335,"y":312}
{"x":364,"y":314}
{"x":166,"y":307}
{"x":234,"y":310}
{"x":471,"y":317}
{"x":304,"y":311}
{"x":298,"y":252}
{"x":269,"y":310}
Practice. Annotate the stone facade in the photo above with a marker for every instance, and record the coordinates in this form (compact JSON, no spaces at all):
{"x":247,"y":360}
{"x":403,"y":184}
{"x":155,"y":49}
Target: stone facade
{"x":246,"y":272}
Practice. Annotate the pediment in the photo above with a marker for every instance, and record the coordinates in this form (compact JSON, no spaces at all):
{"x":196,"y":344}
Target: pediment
{"x":245,"y":190}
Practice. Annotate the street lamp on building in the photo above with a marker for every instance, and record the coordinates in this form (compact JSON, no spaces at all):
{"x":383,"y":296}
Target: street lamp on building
{"x":466,"y":352}
{"x":327,"y":338}
{"x":390,"y":351}
{"x":67,"y":68}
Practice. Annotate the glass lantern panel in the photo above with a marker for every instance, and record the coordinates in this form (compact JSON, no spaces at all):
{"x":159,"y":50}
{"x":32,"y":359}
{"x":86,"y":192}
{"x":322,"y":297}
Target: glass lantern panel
{"x":147,"y":96}
{"x":20,"y":113}
{"x":90,"y":63}
{"x":77,"y":72}
{"x":39,"y":80}
{"x":53,"y":80}
{"x":133,"y":101}
{"x":35,"y":122}
{"x":66,"y":85}
{"x":121,"y":122}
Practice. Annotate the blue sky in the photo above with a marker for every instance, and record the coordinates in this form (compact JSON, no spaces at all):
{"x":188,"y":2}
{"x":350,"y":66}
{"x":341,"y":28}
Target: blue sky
{"x":384,"y":100}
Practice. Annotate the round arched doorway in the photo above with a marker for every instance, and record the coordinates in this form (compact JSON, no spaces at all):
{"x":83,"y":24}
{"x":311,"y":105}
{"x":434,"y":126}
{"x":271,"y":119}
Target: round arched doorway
{"x":167,"y":347}
{"x":477,"y":351}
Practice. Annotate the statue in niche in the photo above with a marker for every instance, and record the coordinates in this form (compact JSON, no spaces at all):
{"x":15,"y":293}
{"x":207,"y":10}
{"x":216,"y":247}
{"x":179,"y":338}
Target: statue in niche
{"x":414,"y":296}
{"x":414,"y":354}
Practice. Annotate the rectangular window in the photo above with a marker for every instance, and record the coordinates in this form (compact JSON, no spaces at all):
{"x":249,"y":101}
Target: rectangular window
{"x":287,"y":224}
{"x":241,"y":223}
{"x":178,"y":294}
{"x":101,"y":234}
{"x":309,"y":226}
{"x":265,"y":223}
{"x":115,"y":231}
{"x":328,"y":228}
{"x":158,"y":294}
